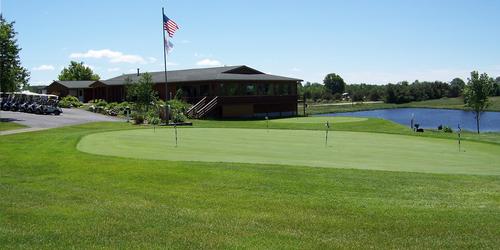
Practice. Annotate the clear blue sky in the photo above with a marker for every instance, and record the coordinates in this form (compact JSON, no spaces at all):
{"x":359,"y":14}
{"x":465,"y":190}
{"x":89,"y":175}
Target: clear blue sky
{"x":363,"y":41}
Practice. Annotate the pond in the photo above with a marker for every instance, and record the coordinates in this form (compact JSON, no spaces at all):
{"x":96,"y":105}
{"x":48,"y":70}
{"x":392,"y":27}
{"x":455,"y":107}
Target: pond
{"x":432,"y":118}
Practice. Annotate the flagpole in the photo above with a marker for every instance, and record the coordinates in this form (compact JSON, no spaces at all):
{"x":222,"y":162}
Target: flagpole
{"x":164,"y":53}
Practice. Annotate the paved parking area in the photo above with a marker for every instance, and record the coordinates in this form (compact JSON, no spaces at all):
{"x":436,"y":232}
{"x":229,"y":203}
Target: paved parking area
{"x":41,"y":122}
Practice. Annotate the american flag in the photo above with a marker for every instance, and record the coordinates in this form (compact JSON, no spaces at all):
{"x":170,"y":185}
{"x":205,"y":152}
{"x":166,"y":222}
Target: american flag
{"x":170,"y":26}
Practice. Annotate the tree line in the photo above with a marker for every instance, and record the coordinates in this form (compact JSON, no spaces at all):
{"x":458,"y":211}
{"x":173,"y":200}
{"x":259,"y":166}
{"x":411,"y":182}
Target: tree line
{"x":334,"y":88}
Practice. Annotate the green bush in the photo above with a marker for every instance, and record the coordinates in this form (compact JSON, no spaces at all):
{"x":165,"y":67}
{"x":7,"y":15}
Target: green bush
{"x":154,"y":120}
{"x":70,"y":102}
{"x":447,"y":129}
{"x":178,"y":117}
{"x":138,"y":118}
{"x":178,"y":110}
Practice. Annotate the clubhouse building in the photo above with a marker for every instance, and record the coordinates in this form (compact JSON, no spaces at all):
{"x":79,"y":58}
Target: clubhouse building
{"x":234,"y":91}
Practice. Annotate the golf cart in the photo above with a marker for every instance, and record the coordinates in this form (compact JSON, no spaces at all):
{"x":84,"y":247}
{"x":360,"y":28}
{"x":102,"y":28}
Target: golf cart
{"x":28,"y":99}
{"x":49,"y":105}
{"x":16,"y":102}
{"x":4,"y":98}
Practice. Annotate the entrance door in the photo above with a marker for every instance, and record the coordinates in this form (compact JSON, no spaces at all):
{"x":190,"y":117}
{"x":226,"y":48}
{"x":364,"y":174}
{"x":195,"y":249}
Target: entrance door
{"x":80,"y":95}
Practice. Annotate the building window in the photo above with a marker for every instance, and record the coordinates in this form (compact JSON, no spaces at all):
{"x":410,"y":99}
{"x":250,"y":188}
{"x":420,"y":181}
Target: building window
{"x":250,"y":89}
{"x":231,"y":89}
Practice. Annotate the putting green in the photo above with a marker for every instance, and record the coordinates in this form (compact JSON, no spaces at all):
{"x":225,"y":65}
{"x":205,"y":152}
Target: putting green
{"x":299,"y":147}
{"x":320,"y":119}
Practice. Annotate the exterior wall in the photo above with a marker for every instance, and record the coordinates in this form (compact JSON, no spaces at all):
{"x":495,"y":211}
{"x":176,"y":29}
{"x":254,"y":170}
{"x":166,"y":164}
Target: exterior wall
{"x":57,"y":89}
{"x":88,"y":95}
{"x":85,"y":94}
{"x":257,"y":106}
{"x":273,"y":99}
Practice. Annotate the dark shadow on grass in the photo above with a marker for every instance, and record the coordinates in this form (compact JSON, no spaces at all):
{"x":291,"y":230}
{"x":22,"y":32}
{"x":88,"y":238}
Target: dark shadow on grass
{"x":10,"y":120}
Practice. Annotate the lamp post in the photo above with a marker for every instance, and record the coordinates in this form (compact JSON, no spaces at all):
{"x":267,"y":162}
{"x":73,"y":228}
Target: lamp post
{"x":127,"y":110}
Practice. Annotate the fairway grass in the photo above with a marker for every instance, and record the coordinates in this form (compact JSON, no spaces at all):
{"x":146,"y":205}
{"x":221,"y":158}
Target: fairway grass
{"x":301,"y":148}
{"x":320,"y":120}
{"x":53,"y":196}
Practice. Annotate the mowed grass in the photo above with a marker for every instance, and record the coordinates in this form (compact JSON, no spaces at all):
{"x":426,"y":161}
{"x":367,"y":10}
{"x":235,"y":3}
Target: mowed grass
{"x":4,"y":126}
{"x":56,"y":197}
{"x":319,"y":120}
{"x":300,"y":148}
{"x":445,"y":103}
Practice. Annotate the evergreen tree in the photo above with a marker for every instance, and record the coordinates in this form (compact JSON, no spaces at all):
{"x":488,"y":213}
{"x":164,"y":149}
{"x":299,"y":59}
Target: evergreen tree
{"x":13,"y":76}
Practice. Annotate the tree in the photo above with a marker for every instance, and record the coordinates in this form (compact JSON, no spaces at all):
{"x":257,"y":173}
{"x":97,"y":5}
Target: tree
{"x":334,"y":84}
{"x":456,"y":87}
{"x":141,"y":92}
{"x":476,"y":94}
{"x":78,"y":72}
{"x":13,"y":76}
{"x":496,"y":87}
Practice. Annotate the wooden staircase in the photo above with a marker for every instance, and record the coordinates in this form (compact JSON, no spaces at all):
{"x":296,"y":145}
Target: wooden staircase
{"x":203,"y":108}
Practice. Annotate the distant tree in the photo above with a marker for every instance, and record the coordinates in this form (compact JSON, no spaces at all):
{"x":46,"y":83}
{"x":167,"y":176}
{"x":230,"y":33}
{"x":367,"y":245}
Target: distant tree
{"x":13,"y":76}
{"x":476,"y":94}
{"x":496,"y":87}
{"x":457,"y":86}
{"x":141,"y":93}
{"x":78,"y":72}
{"x":334,"y":84}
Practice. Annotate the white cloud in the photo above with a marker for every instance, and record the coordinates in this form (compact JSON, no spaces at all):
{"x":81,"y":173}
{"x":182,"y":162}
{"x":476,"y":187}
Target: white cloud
{"x":44,"y":67}
{"x":208,"y":62}
{"x":152,"y":60}
{"x":113,"y":56}
{"x":113,"y":69}
{"x":92,"y":67}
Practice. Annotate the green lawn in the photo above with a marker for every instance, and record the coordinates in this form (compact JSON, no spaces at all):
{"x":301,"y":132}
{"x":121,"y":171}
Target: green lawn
{"x":54,"y":196}
{"x":301,"y":148}
{"x":10,"y":126}
{"x":446,"y":103}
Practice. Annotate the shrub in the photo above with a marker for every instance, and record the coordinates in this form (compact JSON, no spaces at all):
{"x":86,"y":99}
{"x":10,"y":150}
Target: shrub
{"x":178,"y":117}
{"x":178,"y":109}
{"x":154,"y":120}
{"x":70,"y":102}
{"x":447,"y":129}
{"x":98,"y":105}
{"x":138,"y":118}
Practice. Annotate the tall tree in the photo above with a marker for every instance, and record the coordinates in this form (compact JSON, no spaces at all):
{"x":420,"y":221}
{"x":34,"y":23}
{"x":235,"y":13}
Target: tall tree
{"x":78,"y":72}
{"x":496,"y":87}
{"x":334,"y":84}
{"x":456,"y":87}
{"x":13,"y":76}
{"x":476,"y":94}
{"x":141,"y":92}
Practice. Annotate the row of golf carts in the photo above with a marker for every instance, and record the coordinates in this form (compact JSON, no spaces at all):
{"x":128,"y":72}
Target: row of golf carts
{"x":30,"y":102}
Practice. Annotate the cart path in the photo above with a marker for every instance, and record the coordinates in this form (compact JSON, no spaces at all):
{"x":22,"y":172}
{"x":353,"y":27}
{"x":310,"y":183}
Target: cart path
{"x":36,"y":122}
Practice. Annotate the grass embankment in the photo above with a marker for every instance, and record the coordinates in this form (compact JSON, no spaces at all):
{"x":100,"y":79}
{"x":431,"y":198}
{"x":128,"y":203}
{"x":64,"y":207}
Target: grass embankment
{"x":445,"y":103}
{"x":10,"y":126}
{"x":54,"y":196}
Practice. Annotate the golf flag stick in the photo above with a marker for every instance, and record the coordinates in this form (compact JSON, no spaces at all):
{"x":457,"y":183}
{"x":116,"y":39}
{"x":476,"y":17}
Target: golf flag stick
{"x":459,"y":139}
{"x":175,"y":128}
{"x":267,"y":123}
{"x":327,"y":125}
